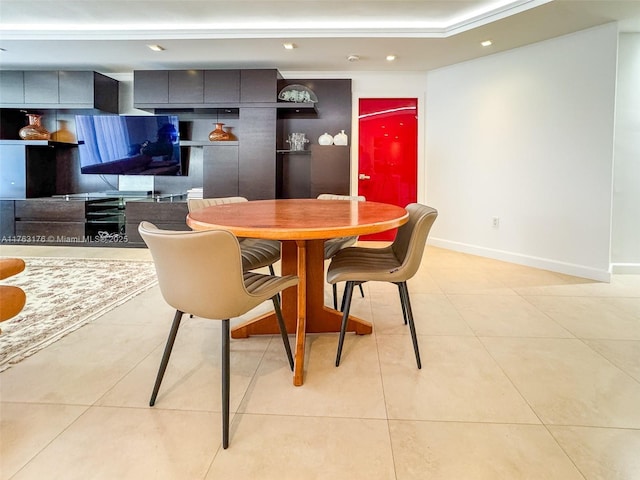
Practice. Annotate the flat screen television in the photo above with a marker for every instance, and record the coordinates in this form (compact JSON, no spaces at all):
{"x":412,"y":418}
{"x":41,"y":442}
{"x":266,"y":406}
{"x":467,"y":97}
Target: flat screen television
{"x":129,"y":144}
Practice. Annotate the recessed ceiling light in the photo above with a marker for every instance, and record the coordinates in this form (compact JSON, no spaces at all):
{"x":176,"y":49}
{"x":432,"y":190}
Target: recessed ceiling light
{"x":353,"y":58}
{"x":156,"y":48}
{"x":289,"y":46}
{"x":486,"y":43}
{"x":391,"y":58}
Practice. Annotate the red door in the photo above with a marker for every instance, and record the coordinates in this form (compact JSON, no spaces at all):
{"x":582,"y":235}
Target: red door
{"x":388,"y":153}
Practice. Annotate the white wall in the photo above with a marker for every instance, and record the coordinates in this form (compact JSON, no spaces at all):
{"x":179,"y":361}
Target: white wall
{"x":625,"y":242}
{"x":527,"y":136}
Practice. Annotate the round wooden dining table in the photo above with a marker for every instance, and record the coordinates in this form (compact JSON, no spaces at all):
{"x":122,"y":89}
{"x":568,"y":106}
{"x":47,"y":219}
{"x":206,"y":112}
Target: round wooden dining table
{"x":302,"y":225}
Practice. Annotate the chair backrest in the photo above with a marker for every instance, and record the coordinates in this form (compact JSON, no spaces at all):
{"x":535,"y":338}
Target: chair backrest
{"x":198,"y":203}
{"x":199,"y":272}
{"x":411,"y":238}
{"x":333,"y":245}
{"x":331,"y":196}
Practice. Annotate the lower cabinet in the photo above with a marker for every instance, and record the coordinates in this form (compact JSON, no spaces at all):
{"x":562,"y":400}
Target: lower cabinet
{"x":308,"y":173}
{"x":64,"y":221}
{"x":111,"y":222}
{"x":7,"y":220}
{"x":50,"y":221}
{"x":294,"y":174}
{"x":330,"y":170}
{"x":220,"y":170}
{"x":257,"y":148}
{"x":164,"y":214}
{"x":28,"y":169}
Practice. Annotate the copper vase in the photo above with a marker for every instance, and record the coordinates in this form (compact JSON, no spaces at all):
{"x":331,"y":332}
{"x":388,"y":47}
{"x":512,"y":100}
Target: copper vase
{"x":63,"y":134}
{"x":35,"y":130}
{"x":218,"y":134}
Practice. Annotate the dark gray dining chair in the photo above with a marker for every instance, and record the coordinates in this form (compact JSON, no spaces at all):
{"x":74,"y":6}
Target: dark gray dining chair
{"x":334,"y":245}
{"x":201,"y":272}
{"x":256,"y":253}
{"x":395,"y":263}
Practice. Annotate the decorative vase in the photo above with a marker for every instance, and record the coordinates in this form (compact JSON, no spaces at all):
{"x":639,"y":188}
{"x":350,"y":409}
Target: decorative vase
{"x":229,"y":132}
{"x":218,"y":134}
{"x":340,"y":138}
{"x":297,"y":141}
{"x":34,"y":131}
{"x":325,"y":139}
{"x":63,"y":134}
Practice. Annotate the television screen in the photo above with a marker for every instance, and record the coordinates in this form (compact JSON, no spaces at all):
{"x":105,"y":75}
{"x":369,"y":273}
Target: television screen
{"x":129,"y":145}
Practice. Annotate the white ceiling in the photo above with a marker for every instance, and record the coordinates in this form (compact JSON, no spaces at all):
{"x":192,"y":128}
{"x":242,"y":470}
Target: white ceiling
{"x":111,"y":36}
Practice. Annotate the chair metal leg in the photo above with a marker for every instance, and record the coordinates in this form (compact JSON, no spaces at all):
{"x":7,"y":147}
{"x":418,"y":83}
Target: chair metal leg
{"x":404,"y":310}
{"x":335,"y":296}
{"x":225,"y":383}
{"x":342,"y":304}
{"x":404,"y":298}
{"x":346,"y":306}
{"x":165,"y":356}
{"x":273,"y":273}
{"x":283,"y":329}
{"x":344,"y":296}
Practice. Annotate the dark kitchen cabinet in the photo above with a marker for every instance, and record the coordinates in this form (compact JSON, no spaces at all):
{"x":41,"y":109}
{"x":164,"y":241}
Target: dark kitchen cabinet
{"x":28,"y":169}
{"x":11,"y":87}
{"x":167,"y":215}
{"x":58,"y":89}
{"x":203,"y":88}
{"x":49,"y":221}
{"x":329,"y":170}
{"x":186,"y":86}
{"x":221,"y":170}
{"x":161,"y":88}
{"x":41,"y":88}
{"x":257,"y":153}
{"x":258,"y":86}
{"x":222,"y":86}
{"x":150,"y":87}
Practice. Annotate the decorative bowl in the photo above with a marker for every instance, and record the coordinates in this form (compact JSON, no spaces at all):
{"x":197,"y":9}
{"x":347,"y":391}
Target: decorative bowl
{"x":298,"y":94}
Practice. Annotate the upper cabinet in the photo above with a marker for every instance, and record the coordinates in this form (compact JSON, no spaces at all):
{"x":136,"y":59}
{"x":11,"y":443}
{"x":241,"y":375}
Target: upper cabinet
{"x":221,"y":86}
{"x":189,"y":89}
{"x":186,"y":86}
{"x":58,"y":89}
{"x":150,"y":87}
{"x":41,"y":88}
{"x":258,"y":86}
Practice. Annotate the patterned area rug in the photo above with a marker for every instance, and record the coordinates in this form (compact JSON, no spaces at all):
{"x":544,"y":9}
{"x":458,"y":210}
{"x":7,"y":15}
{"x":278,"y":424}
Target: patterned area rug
{"x":64,"y":294}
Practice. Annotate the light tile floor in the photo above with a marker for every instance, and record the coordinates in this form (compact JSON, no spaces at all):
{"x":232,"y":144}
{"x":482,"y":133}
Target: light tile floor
{"x":526,"y":374}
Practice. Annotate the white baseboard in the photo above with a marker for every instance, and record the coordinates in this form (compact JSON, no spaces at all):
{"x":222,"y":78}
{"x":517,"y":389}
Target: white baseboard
{"x":626,"y":268}
{"x":529,"y":261}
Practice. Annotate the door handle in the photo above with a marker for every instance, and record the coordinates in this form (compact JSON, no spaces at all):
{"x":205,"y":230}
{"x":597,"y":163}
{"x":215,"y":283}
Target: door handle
{"x":362,"y":176}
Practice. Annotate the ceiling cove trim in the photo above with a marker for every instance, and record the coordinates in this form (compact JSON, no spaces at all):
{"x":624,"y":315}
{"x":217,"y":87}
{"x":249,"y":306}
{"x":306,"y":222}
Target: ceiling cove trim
{"x":340,"y":28}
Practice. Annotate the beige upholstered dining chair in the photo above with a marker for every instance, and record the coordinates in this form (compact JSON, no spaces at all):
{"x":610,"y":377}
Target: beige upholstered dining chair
{"x":201,"y":272}
{"x":256,"y":253}
{"x":395,"y":263}
{"x":334,"y":245}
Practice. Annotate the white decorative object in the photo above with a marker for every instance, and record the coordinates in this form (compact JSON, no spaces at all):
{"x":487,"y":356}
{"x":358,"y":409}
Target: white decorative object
{"x":340,"y":138}
{"x":325,"y":139}
{"x":298,"y":94}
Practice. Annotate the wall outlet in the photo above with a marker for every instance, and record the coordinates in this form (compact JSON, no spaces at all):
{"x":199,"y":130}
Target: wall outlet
{"x":495,"y":222}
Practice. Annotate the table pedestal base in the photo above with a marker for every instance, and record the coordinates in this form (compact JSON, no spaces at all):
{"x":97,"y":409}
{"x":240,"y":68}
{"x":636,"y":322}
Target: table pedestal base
{"x":303,"y":306}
